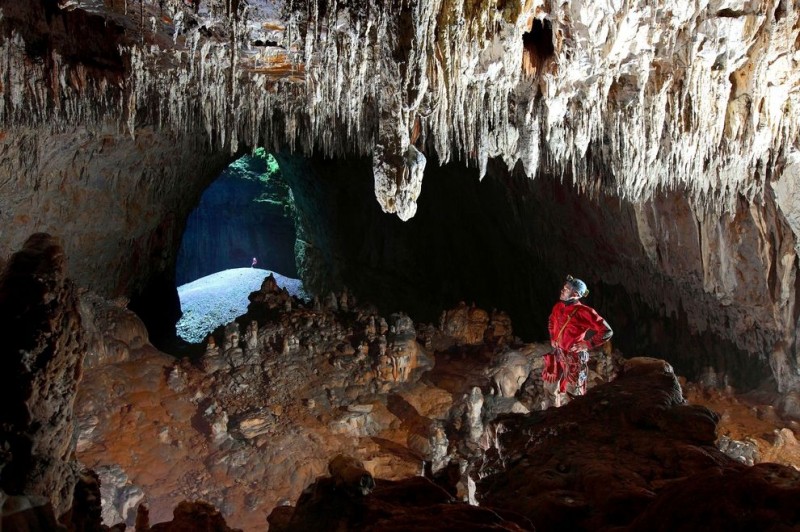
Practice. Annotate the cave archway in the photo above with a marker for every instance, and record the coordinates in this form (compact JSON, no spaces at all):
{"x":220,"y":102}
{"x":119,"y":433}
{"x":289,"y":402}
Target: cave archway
{"x":242,"y":229}
{"x":247,"y":212}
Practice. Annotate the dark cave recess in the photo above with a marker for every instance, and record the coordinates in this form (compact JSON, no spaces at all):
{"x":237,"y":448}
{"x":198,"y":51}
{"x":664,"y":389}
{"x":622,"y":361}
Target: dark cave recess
{"x":504,"y":242}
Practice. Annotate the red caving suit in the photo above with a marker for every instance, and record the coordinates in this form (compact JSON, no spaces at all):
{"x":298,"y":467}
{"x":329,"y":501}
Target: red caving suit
{"x":572,"y":322}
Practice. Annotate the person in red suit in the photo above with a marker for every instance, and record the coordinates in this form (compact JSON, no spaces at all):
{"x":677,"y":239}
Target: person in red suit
{"x":575,"y":329}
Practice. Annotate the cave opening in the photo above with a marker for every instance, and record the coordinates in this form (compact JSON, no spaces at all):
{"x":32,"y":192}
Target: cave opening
{"x":246,"y":212}
{"x":242,"y":228}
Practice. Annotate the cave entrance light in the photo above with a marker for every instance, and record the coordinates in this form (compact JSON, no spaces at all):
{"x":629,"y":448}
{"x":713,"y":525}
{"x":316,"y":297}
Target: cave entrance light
{"x":242,"y":229}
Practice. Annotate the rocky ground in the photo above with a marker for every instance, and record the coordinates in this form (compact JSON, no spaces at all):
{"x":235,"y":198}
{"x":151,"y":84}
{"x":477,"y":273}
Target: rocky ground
{"x":750,"y":427}
{"x":276,"y":395}
{"x":630,"y":456}
{"x":282,"y":391}
{"x":220,"y":298}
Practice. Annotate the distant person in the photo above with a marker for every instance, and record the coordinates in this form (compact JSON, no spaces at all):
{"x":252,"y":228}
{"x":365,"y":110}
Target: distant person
{"x":575,"y":329}
{"x":253,"y":264}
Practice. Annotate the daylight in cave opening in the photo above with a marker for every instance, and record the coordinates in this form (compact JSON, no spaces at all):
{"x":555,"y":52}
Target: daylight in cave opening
{"x":242,"y":230}
{"x":246,"y":213}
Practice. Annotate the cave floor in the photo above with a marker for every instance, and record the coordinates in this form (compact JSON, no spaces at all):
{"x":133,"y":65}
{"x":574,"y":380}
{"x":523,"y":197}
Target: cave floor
{"x":255,"y":420}
{"x":751,"y":417}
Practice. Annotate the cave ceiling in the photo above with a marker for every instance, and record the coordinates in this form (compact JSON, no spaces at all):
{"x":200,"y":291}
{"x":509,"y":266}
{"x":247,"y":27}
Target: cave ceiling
{"x":701,"y":97}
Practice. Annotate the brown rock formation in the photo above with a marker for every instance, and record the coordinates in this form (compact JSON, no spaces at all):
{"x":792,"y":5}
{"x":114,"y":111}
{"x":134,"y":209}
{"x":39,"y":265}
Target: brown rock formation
{"x":763,"y":497}
{"x":466,"y":324}
{"x":410,"y":504}
{"x":21,"y":512}
{"x":40,"y":370}
{"x":624,"y":456}
{"x":630,"y":454}
{"x":225,"y":428}
{"x":194,"y":516}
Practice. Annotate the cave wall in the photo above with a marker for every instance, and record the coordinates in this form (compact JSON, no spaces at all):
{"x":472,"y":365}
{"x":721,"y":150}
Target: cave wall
{"x":729,"y":281}
{"x":118,"y":204}
{"x":714,"y":294}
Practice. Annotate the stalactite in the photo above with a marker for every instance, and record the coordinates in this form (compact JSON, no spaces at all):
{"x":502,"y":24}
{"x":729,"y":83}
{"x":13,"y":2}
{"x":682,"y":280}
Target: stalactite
{"x":665,"y":97}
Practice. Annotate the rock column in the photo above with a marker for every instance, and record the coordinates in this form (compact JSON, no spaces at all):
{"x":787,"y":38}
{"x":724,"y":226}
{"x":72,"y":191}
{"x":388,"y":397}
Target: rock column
{"x":40,"y":368}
